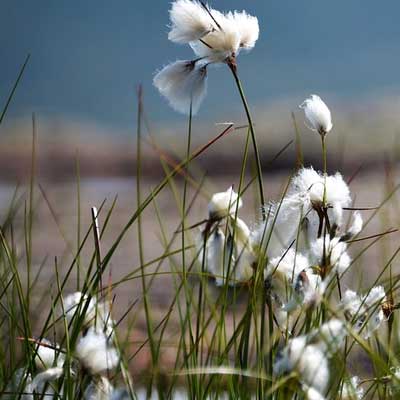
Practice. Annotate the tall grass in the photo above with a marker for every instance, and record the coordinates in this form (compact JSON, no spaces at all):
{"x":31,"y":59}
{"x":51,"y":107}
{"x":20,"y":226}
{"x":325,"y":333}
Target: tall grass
{"x":209,"y":342}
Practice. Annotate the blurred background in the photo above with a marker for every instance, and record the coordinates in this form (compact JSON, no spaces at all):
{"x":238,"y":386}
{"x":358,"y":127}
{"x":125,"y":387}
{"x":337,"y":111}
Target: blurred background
{"x":87,"y":59}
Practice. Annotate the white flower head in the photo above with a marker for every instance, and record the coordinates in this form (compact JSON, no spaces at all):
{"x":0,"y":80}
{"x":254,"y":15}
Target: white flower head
{"x":96,"y":314}
{"x":308,"y":360}
{"x":287,"y":266}
{"x":274,"y":235}
{"x":99,"y":389}
{"x":312,"y":393}
{"x":317,"y":114}
{"x":226,"y":259}
{"x":190,"y":21}
{"x":214,"y":255}
{"x":309,"y":185}
{"x":356,"y":225}
{"x":366,"y":311}
{"x":183,"y":84}
{"x":329,"y":336}
{"x":351,"y":389}
{"x":220,"y":44}
{"x":214,"y":37}
{"x":235,"y":31}
{"x":75,"y":303}
{"x":308,"y":290}
{"x":96,"y":353}
{"x":224,"y":204}
{"x":330,"y":252}
{"x":48,"y":355}
{"x":247,"y":26}
{"x":41,"y":379}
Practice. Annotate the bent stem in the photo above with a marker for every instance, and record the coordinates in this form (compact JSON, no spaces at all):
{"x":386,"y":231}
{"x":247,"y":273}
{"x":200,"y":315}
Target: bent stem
{"x":232,"y":66}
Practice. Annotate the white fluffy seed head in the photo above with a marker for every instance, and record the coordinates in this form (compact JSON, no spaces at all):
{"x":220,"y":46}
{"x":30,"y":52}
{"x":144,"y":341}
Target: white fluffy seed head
{"x":309,"y":185}
{"x":223,"y":256}
{"x":308,"y":290}
{"x":330,"y":335}
{"x":183,"y":84}
{"x":242,"y":231}
{"x":48,"y":355}
{"x":96,"y":353}
{"x":236,"y":31}
{"x":247,"y":26}
{"x":352,"y":390}
{"x":309,"y":361}
{"x":189,"y":21}
{"x":223,"y":204}
{"x":312,"y":393}
{"x":334,"y":251}
{"x":217,"y":46}
{"x":317,"y":114}
{"x":99,"y":389}
{"x":365,"y":311}
{"x":97,"y":314}
{"x":356,"y":225}
{"x":274,"y":235}
{"x":214,"y":260}
{"x":41,"y":379}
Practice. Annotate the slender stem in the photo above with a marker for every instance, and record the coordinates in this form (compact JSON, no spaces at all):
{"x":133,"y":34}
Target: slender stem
{"x":146,"y":304}
{"x":233,"y":68}
{"x":324,"y":165}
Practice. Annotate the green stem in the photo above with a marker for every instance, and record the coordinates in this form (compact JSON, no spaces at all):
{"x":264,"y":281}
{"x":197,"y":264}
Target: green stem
{"x":233,"y":68}
{"x":324,"y":165}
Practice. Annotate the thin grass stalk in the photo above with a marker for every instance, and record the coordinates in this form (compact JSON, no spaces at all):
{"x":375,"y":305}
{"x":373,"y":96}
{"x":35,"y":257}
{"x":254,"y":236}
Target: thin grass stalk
{"x":78,"y":212}
{"x":233,"y":67}
{"x":30,"y":212}
{"x":139,"y":231}
{"x":14,"y":88}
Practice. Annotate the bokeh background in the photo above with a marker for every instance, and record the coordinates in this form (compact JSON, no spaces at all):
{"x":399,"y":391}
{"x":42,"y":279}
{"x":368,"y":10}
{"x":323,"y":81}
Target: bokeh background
{"x":88,"y":57}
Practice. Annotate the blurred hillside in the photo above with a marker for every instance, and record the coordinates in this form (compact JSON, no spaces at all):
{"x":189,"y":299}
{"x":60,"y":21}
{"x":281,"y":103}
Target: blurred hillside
{"x":364,"y":134}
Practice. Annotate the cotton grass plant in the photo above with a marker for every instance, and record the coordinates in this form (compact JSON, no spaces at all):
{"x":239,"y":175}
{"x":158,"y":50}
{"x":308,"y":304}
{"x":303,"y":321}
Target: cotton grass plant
{"x":262,"y":308}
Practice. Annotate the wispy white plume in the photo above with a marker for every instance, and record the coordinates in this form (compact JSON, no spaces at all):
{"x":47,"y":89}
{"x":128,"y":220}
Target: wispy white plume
{"x":247,"y":26}
{"x":308,"y":290}
{"x":50,"y":375}
{"x":296,"y":212}
{"x":312,"y":393}
{"x":183,"y":83}
{"x":218,"y":46}
{"x":282,"y":271}
{"x":356,"y":225}
{"x":309,"y":185}
{"x":317,"y":114}
{"x":292,"y":271}
{"x":48,"y":355}
{"x":352,"y":390}
{"x":307,"y":360}
{"x":215,"y":37}
{"x":99,"y":389}
{"x":365,"y":311}
{"x":331,"y":253}
{"x":329,"y":337}
{"x":94,"y":314}
{"x":274,"y":235}
{"x":190,"y":21}
{"x":227,"y":260}
{"x":223,"y":204}
{"x":96,"y":353}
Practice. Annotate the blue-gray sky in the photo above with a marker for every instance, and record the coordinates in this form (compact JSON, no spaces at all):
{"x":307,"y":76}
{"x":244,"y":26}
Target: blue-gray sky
{"x":88,"y":56}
